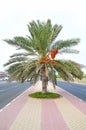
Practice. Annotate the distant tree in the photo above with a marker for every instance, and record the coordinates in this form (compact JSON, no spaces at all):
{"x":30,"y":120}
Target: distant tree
{"x":39,"y":56}
{"x":84,"y":75}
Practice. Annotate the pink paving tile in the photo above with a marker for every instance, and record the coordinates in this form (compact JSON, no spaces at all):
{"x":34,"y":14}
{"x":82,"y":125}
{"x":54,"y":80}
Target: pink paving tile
{"x":81,"y":105}
{"x":51,"y":116}
{"x":8,"y":115}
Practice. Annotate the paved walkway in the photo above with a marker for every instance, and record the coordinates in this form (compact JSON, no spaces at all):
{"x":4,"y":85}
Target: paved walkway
{"x":25,"y":113}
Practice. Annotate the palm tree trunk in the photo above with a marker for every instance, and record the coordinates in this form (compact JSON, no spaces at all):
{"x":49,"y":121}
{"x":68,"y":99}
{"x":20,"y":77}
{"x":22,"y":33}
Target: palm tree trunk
{"x":44,"y":79}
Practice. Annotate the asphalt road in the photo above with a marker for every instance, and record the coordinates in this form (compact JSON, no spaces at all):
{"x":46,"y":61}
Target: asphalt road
{"x":9,"y":91}
{"x":78,"y":90}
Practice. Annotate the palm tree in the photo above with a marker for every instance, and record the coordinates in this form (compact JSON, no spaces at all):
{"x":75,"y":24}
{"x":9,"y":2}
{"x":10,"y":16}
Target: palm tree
{"x":39,"y":55}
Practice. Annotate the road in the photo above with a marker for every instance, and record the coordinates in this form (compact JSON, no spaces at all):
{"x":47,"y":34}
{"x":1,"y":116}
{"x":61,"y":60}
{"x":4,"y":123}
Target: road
{"x":9,"y":91}
{"x":78,"y":90}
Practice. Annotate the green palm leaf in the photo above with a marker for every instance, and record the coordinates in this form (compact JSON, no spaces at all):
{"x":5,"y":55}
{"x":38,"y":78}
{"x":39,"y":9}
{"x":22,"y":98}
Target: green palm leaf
{"x":65,"y":44}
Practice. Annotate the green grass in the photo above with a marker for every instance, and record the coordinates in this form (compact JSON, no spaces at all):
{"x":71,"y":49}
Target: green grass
{"x":44,"y":95}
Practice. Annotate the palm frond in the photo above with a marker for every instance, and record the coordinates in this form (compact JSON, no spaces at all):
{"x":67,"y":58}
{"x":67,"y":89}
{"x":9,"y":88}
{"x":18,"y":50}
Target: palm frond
{"x":67,"y":50}
{"x":54,"y":33}
{"x":14,"y":60}
{"x":34,"y":78}
{"x":63,"y":71}
{"x":22,"y":71}
{"x":19,"y":54}
{"x":68,"y":69}
{"x":21,"y":43}
{"x":43,"y":34}
{"x":65,"y":44}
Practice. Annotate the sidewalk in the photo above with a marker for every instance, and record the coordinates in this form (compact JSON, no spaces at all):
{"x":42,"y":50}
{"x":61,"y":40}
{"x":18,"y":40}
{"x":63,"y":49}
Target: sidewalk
{"x":64,"y":113}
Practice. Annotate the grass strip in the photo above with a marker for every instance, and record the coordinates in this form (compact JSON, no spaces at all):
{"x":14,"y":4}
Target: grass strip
{"x":44,"y":95}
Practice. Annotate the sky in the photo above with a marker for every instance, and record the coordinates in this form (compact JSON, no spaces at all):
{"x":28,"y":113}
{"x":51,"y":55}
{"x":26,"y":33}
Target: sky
{"x":16,"y":14}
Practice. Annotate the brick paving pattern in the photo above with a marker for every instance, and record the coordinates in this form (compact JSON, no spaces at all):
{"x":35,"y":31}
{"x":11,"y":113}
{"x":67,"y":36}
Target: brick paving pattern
{"x":64,"y":113}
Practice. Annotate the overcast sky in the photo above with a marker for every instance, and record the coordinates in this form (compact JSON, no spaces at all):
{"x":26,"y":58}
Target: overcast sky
{"x":16,"y":14}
